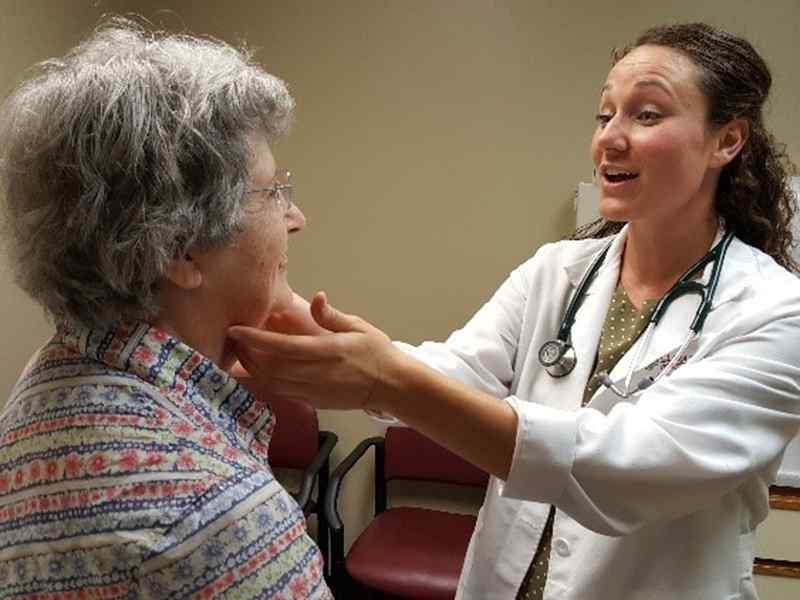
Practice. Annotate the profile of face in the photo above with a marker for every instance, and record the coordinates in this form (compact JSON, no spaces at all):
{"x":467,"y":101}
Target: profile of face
{"x":655,"y":155}
{"x":247,"y":280}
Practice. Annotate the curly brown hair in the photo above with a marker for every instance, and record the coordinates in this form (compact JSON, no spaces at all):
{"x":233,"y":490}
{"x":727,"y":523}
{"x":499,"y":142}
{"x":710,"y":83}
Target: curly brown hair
{"x":753,"y":196}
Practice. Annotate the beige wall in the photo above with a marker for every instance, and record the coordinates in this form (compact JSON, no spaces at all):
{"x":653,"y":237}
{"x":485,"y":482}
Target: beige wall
{"x":437,"y":143}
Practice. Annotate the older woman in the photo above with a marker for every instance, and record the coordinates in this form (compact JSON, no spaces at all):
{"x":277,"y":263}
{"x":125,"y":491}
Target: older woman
{"x":632,"y":440}
{"x":146,"y":213}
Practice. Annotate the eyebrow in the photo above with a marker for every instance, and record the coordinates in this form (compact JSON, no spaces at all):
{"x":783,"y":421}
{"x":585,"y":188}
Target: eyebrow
{"x":644,"y":83}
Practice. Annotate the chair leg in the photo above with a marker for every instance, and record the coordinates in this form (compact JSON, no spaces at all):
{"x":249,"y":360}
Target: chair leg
{"x":323,"y":530}
{"x":349,"y":589}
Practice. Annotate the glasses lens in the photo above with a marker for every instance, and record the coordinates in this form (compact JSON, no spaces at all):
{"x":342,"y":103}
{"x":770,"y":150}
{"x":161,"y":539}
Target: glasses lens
{"x":286,"y":187}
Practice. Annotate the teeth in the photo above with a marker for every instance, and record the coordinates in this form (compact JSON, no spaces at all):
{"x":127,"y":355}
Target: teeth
{"x":616,"y":173}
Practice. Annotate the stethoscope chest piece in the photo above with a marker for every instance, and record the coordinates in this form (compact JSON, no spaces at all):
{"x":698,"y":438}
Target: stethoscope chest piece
{"x":557,"y":357}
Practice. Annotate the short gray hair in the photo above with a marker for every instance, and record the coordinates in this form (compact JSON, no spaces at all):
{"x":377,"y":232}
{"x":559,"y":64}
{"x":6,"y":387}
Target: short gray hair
{"x":121,"y":156}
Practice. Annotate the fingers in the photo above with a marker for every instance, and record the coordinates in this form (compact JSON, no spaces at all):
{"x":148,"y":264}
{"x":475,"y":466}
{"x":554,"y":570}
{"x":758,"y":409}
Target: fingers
{"x":296,"y":319}
{"x":296,"y":346}
{"x":238,"y":371}
{"x":247,"y":360}
{"x":330,"y":318}
{"x":264,"y":383}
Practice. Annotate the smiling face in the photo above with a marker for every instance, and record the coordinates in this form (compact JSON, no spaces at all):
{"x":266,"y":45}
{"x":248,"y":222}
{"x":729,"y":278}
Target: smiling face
{"x":246,"y":280}
{"x":653,"y":150}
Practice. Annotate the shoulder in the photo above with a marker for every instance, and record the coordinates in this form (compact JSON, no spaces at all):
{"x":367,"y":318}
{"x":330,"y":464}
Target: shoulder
{"x":756,"y":297}
{"x":569,"y":251}
{"x":554,"y":258}
{"x":763,"y":281}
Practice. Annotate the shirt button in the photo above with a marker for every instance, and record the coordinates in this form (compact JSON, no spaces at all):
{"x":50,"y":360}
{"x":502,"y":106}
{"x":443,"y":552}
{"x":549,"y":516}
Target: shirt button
{"x":562,"y":547}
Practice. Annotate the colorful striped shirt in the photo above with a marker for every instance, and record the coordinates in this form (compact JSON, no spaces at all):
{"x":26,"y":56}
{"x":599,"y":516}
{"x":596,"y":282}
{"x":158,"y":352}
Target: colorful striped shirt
{"x":133,"y":467}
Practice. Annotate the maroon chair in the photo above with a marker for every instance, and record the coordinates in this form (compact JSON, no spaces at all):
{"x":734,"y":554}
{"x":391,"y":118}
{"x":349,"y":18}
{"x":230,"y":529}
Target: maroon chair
{"x":405,"y":552}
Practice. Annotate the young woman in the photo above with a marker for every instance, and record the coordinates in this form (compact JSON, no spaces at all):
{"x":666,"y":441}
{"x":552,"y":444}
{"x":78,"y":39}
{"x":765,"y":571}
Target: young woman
{"x":632,"y":429}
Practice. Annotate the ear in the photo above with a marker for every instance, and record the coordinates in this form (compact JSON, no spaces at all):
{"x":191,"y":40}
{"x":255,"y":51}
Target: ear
{"x":185,"y":273}
{"x":731,"y":137}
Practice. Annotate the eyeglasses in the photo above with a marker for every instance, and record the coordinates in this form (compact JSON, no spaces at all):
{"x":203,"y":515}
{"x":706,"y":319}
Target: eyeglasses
{"x":280,"y":190}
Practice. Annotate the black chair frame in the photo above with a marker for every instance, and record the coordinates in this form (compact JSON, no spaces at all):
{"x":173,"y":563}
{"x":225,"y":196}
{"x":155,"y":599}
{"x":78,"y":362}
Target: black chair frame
{"x":318,"y":473}
{"x":336,"y":572}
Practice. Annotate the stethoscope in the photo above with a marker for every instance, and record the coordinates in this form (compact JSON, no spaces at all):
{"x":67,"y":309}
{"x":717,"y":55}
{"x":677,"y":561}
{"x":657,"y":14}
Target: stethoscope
{"x":558,"y":356}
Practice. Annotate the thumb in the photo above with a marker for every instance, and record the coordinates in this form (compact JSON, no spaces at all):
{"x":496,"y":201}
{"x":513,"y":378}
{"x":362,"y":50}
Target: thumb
{"x":330,"y":318}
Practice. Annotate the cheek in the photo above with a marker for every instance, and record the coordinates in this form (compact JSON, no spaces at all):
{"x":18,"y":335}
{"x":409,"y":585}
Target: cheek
{"x":594,"y":150}
{"x":662,"y":149}
{"x":673,"y":148}
{"x":273,"y":254}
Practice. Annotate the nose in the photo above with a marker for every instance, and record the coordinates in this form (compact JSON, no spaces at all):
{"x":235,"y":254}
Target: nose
{"x":295,"y":219}
{"x":614,"y":136}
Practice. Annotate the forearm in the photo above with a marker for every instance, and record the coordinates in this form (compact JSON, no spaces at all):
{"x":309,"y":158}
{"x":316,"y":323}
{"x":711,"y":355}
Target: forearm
{"x":476,"y":426}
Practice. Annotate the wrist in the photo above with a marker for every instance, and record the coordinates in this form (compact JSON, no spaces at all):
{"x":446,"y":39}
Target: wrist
{"x":395,"y":370}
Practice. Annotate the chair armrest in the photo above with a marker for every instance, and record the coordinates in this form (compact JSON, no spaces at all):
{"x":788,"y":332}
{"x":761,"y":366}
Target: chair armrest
{"x":335,"y":565}
{"x":332,"y":496}
{"x":328,"y":440}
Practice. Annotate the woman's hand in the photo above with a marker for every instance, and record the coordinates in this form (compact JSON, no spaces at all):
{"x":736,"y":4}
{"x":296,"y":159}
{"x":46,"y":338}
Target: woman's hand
{"x":342,"y":370}
{"x":357,"y":367}
{"x":296,"y":319}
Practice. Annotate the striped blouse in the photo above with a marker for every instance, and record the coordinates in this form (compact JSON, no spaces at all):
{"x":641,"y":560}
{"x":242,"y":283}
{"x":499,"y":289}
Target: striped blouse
{"x":133,"y":467}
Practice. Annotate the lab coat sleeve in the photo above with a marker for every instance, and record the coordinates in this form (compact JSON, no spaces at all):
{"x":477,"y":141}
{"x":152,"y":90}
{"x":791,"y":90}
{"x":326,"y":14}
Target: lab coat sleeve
{"x":708,"y":428}
{"x":482,"y":353}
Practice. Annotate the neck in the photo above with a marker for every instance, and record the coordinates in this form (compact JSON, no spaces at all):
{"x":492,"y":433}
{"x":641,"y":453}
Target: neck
{"x":656,"y":256}
{"x":204,"y":333}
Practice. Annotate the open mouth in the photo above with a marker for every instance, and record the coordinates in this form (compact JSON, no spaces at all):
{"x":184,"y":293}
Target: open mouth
{"x":618,"y":176}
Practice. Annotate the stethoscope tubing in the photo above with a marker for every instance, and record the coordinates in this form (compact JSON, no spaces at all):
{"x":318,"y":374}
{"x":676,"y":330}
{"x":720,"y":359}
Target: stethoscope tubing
{"x":566,"y":359}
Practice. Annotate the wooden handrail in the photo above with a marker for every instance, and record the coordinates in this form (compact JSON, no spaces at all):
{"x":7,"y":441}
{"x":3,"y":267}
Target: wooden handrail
{"x":783,"y":497}
{"x":776,"y":568}
{"x":780,"y":498}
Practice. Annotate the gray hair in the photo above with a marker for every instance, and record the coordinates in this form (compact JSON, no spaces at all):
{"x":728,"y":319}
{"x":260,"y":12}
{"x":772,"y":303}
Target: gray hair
{"x":121,"y":156}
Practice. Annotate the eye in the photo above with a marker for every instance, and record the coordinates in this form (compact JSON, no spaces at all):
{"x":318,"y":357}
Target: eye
{"x":648,"y":117}
{"x":603,"y":119}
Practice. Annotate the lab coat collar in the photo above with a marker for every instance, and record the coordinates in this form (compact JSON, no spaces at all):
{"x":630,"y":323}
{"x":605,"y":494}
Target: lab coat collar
{"x":575,"y":270}
{"x":739,"y":266}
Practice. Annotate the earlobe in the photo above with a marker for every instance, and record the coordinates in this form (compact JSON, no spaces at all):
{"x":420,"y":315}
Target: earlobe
{"x":185,"y":273}
{"x":732,"y":138}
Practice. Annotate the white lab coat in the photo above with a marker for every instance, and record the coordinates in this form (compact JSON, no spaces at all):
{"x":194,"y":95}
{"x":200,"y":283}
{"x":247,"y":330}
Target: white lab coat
{"x":658,"y":496}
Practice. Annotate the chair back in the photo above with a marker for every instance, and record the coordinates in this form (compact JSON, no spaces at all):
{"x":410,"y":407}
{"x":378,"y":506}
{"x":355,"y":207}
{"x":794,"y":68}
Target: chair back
{"x":295,"y":441}
{"x":411,"y":455}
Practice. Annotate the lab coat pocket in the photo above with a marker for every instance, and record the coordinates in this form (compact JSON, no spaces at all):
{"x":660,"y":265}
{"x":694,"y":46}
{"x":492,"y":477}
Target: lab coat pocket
{"x":654,"y":368}
{"x":605,"y":397}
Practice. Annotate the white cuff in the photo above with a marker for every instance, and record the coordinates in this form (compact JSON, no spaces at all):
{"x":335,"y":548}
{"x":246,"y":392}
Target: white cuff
{"x":543,"y":453}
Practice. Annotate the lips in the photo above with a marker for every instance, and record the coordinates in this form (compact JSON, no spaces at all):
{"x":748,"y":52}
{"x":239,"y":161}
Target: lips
{"x":617,"y":175}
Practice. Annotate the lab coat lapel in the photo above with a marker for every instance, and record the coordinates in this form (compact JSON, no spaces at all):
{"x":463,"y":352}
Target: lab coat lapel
{"x":589,"y":319}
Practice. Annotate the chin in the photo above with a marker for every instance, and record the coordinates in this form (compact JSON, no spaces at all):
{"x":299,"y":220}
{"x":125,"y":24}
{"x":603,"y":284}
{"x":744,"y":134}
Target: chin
{"x":283,"y":301}
{"x":612,"y":209}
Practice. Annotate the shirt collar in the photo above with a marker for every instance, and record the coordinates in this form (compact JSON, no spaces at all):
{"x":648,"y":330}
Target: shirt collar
{"x":153,"y":355}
